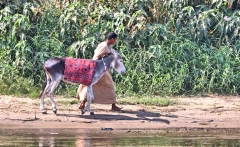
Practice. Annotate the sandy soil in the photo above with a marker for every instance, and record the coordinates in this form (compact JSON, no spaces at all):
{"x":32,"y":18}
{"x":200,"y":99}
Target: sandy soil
{"x":207,"y":113}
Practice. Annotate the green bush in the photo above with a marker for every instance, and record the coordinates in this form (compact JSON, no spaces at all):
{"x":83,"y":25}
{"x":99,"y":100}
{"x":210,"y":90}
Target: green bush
{"x":169,"y":47}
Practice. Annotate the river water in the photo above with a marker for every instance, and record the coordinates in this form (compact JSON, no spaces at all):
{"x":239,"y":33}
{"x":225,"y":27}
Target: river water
{"x":98,"y":137}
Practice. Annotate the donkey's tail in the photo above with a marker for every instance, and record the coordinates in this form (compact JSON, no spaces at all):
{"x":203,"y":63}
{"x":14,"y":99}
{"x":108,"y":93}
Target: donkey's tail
{"x":44,"y":85}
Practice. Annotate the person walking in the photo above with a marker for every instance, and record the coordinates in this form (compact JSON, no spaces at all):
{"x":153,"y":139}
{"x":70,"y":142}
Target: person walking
{"x":103,"y":90}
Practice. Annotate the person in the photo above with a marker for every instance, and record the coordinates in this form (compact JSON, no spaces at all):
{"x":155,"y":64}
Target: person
{"x":103,"y":90}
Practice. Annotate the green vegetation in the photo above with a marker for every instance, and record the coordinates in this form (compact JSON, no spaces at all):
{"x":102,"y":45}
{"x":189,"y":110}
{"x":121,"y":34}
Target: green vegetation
{"x":173,"y":47}
{"x":145,"y":100}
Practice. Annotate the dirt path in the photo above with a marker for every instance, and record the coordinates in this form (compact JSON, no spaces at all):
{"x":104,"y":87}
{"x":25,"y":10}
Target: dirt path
{"x":209,"y":112}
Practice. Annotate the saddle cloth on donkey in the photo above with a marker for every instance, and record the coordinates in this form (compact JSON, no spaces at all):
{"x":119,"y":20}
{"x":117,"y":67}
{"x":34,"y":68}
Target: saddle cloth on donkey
{"x":80,"y":71}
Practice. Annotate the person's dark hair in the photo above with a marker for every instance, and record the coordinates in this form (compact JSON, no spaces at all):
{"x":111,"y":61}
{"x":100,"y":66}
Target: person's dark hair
{"x":111,"y":35}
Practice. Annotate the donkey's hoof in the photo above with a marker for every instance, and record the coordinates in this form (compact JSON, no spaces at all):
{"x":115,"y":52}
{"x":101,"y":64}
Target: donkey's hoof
{"x":55,"y":111}
{"x":44,"y":112}
{"x":91,"y":113}
{"x":82,"y":112}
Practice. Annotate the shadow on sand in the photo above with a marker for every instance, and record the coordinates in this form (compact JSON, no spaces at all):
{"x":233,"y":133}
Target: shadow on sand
{"x":125,"y":115}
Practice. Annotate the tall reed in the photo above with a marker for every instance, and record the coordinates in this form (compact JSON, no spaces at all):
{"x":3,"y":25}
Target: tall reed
{"x":169,"y":47}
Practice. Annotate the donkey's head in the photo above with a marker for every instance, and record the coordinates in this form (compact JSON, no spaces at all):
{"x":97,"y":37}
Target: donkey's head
{"x":117,"y":63}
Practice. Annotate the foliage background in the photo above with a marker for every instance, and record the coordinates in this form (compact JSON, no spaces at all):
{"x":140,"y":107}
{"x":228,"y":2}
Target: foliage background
{"x":170,"y":47}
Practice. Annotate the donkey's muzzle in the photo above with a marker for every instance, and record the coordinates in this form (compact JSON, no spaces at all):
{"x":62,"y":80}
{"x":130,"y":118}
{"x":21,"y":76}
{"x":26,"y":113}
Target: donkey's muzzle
{"x":123,"y":72}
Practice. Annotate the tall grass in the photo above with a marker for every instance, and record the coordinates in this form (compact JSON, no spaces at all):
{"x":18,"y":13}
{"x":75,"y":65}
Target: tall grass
{"x":169,"y":47}
{"x":180,"y":66}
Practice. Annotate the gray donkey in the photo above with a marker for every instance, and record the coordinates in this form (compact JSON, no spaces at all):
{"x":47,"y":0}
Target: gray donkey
{"x":54,"y":69}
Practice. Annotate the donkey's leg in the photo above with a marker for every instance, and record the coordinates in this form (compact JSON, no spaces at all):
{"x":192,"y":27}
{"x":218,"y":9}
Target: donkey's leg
{"x":54,"y":85}
{"x":44,"y":93}
{"x":50,"y":87}
{"x":90,"y":97}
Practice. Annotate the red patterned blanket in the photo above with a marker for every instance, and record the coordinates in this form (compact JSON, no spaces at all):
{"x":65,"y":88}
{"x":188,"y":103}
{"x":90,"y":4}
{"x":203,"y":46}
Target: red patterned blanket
{"x":79,"y":71}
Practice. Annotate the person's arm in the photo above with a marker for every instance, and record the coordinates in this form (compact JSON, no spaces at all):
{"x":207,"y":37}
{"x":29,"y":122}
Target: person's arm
{"x":101,"y":50}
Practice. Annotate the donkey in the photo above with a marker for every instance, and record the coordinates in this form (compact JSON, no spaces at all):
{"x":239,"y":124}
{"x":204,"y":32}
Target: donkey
{"x":54,"y":72}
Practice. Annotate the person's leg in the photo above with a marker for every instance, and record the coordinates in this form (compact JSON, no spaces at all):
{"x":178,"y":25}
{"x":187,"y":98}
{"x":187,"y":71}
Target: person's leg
{"x":82,"y":95}
{"x":82,"y":104}
{"x":115,"y":107}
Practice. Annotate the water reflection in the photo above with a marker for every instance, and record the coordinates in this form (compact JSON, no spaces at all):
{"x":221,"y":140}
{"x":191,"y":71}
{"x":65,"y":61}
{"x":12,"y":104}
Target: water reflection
{"x":43,"y":141}
{"x":107,"y":139}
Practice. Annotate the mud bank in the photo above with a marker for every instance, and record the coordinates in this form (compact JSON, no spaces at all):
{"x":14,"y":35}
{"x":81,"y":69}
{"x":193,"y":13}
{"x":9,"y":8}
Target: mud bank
{"x":202,"y":114}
